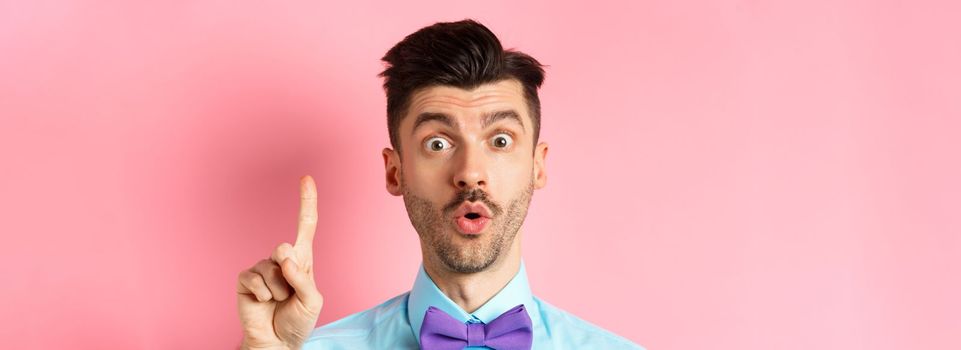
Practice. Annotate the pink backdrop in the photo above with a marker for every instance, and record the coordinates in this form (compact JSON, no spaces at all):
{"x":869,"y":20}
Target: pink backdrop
{"x":723,"y":174}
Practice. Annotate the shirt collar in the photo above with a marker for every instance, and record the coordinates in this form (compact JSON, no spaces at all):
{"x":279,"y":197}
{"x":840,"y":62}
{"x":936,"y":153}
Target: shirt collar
{"x":425,"y":294}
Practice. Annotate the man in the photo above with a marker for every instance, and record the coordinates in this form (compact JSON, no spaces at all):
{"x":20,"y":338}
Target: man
{"x":463,"y":118}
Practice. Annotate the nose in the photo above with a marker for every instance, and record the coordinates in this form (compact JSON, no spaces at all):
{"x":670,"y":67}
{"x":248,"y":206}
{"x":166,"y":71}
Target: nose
{"x":471,"y":169}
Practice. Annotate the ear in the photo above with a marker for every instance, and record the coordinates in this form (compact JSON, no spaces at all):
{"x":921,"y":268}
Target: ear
{"x":392,"y":168}
{"x":540,"y":169}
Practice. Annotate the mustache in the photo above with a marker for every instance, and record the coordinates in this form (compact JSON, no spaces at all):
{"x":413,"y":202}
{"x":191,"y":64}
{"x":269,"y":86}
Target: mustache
{"x":473,"y":195}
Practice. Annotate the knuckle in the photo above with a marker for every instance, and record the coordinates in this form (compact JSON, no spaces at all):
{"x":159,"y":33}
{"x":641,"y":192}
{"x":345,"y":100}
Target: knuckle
{"x":271,"y":272}
{"x":263,"y":265}
{"x":247,"y":276}
{"x":254,"y":280}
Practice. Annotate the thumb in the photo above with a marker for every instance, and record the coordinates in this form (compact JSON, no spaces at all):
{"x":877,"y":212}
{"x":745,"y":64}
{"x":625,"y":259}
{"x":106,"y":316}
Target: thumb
{"x":303,"y":283}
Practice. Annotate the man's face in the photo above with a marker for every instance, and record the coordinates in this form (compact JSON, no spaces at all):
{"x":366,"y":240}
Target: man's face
{"x":467,"y":170}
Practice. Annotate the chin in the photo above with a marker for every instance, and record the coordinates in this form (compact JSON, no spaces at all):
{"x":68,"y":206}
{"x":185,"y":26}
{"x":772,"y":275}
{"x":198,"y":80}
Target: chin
{"x":469,"y":248}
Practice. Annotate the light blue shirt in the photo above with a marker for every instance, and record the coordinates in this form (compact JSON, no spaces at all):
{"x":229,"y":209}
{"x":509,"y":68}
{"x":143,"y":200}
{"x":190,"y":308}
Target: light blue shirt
{"x":395,"y":324}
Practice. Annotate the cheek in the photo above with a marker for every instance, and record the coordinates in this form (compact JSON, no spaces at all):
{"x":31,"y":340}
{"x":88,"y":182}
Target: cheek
{"x":512,"y":175}
{"x":424,"y":177}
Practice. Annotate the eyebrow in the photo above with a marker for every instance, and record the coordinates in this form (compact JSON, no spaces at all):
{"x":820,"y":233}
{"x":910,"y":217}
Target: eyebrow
{"x":494,"y":117}
{"x":430,"y":116}
{"x":445,"y":119}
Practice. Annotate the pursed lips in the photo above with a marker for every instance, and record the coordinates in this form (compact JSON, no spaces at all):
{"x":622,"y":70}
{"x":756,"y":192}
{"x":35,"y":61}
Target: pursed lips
{"x":477,"y":208}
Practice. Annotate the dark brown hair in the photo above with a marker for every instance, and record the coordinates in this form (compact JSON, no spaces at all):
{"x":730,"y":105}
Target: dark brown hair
{"x":462,"y":54}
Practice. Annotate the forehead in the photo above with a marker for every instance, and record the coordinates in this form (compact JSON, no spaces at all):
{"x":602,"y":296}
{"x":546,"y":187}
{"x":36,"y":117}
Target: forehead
{"x":460,"y":103}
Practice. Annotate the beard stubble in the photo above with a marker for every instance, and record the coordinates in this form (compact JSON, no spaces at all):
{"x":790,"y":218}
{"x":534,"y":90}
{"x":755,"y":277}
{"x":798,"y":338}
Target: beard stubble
{"x":467,"y":253}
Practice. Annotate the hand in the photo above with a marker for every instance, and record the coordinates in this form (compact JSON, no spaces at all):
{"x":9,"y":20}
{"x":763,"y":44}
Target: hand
{"x":277,"y":297}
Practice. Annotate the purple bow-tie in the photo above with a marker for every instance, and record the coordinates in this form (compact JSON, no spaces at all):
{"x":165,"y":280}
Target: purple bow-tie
{"x":510,"y":331}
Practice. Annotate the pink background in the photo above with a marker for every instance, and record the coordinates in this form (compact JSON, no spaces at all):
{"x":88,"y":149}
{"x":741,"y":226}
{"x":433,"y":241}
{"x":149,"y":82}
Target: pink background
{"x":723,"y":174}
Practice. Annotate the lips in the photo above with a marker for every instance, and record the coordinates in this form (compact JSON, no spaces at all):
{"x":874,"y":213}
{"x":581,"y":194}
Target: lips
{"x":476,"y":208}
{"x":472,"y":218}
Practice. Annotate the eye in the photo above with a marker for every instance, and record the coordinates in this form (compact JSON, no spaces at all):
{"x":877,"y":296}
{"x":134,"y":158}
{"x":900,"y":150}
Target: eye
{"x":502,"y":140}
{"x":436,"y":144}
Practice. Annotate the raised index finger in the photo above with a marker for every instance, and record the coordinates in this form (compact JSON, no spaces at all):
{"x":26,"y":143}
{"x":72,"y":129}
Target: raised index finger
{"x":307,"y":221}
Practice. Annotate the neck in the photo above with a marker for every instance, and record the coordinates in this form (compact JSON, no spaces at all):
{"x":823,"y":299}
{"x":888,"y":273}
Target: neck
{"x":470,"y":291}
